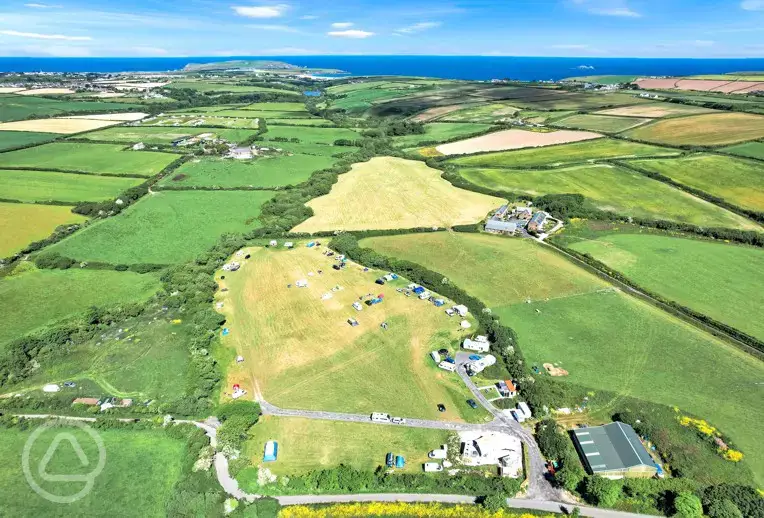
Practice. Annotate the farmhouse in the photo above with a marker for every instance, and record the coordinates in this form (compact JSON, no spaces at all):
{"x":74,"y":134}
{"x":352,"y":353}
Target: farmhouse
{"x":537,"y":221}
{"x":240,"y":153}
{"x":479,"y":344}
{"x":613,"y":451}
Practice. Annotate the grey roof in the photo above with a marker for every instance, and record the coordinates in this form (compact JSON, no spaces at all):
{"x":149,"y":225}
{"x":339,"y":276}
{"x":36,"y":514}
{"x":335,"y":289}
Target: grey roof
{"x":501,"y":226}
{"x":612,"y":447}
{"x":539,"y":217}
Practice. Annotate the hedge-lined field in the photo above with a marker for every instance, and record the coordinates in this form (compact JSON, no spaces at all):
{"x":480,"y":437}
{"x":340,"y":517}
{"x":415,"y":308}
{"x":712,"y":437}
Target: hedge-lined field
{"x":18,"y":107}
{"x":32,"y":186}
{"x":204,"y":86}
{"x":21,"y":224}
{"x":441,"y":132}
{"x":612,"y":188}
{"x":89,"y":158}
{"x":749,"y":149}
{"x":14,"y":139}
{"x":166,"y":227}
{"x":267,"y":172}
{"x":311,"y":135}
{"x":158,"y":135}
{"x":600,"y":123}
{"x":738,"y":181}
{"x":715,"y":129}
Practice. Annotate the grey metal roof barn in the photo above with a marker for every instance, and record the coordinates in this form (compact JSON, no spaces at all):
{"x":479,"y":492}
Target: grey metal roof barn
{"x":500,"y":226}
{"x":614,"y":450}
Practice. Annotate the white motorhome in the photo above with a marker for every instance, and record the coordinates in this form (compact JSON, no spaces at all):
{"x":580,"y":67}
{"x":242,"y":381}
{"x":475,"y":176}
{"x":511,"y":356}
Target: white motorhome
{"x":379,"y":417}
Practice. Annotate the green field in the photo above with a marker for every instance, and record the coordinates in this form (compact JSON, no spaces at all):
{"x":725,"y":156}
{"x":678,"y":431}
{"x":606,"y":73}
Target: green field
{"x":191,"y":121}
{"x":312,"y":149}
{"x":749,"y":149}
{"x":485,"y":113}
{"x":311,"y":135}
{"x":154,"y":135}
{"x":21,"y":224}
{"x":441,"y":132}
{"x":360,"y":100}
{"x":600,"y":123}
{"x":732,"y":275}
{"x":204,"y":86}
{"x":89,"y":158}
{"x":611,"y":188}
{"x":33,"y":299}
{"x":14,"y":139}
{"x":713,"y":129}
{"x":738,"y":181}
{"x":606,"y":339}
{"x":137,"y":480}
{"x":300,"y":122}
{"x":307,"y":444}
{"x":265,"y":172}
{"x":279,"y":107}
{"x":18,"y":107}
{"x":32,"y":186}
{"x":564,"y":154}
{"x":167,"y":227}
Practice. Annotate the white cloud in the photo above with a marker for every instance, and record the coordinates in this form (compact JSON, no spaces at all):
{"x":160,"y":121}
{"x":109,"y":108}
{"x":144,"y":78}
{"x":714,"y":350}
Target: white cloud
{"x":351,"y":33}
{"x":42,"y":6}
{"x":39,"y":36}
{"x":418,"y":27}
{"x":342,"y":25}
{"x":275,"y":28}
{"x":616,"y":11}
{"x":752,"y":5}
{"x":261,"y":11}
{"x":308,"y":17}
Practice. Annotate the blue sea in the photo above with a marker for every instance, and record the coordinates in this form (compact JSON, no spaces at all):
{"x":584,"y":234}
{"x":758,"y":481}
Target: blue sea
{"x":451,"y":67}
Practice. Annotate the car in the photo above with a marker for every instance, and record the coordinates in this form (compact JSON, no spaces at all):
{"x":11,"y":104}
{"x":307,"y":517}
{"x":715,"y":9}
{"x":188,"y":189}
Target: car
{"x":474,"y":357}
{"x":471,"y":403}
{"x":398,"y":420}
{"x":441,"y":407}
{"x":390,"y":460}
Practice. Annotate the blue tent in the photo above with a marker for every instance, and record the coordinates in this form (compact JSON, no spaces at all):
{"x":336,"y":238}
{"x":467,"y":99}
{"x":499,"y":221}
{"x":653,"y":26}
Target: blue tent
{"x":418,"y":290}
{"x":399,"y":461}
{"x":271,"y":451}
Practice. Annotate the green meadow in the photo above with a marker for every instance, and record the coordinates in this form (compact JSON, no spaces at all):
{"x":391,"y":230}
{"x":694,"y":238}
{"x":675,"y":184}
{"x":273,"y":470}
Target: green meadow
{"x":89,"y":158}
{"x":166,"y":227}
{"x":731,"y":275}
{"x":205,"y":86}
{"x":310,"y":135}
{"x":485,"y":113}
{"x":33,"y":186}
{"x":22,"y":224}
{"x":600,"y":123}
{"x":441,"y":132}
{"x":18,"y":107}
{"x":265,"y":172}
{"x":34,"y":298}
{"x":611,"y":188}
{"x":749,"y":149}
{"x":279,"y":107}
{"x":305,"y":121}
{"x":564,"y":154}
{"x":736,"y":180}
{"x":162,"y":136}
{"x":14,"y":139}
{"x":137,"y":480}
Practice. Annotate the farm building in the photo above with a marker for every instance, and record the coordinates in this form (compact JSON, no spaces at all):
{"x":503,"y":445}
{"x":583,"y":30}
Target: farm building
{"x":613,"y":451}
{"x":240,"y":153}
{"x":537,"y":221}
{"x":500,"y":227}
{"x":479,"y":344}
{"x":507,"y":388}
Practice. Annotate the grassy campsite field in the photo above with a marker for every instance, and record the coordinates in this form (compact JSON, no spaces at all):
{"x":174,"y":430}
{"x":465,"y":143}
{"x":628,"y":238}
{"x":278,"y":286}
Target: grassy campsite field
{"x":32,"y":299}
{"x":714,"y":129}
{"x":611,"y":188}
{"x":161,"y":136}
{"x":441,"y":132}
{"x":748,"y":149}
{"x":14,"y":139}
{"x":21,"y":224}
{"x":307,"y":444}
{"x":300,"y":352}
{"x":310,"y":135}
{"x":89,"y":158}
{"x":564,"y":154}
{"x":737,"y":181}
{"x":729,"y":273}
{"x":166,"y":227}
{"x":33,"y":186}
{"x":387,"y":192}
{"x":600,"y":123}
{"x":266,"y":172}
{"x":207,"y":119}
{"x":605,"y":339}
{"x":144,"y":465}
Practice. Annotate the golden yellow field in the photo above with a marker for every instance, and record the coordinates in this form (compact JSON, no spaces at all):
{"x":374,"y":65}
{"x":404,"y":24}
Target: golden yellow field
{"x":714,"y":129}
{"x":300,"y":352}
{"x":21,"y":224}
{"x":46,"y":91}
{"x":64,"y":126}
{"x":655,"y":110}
{"x":121,"y":117}
{"x":9,"y":89}
{"x":387,"y":193}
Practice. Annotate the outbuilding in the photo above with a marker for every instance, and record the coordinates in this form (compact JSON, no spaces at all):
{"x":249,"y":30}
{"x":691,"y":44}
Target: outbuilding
{"x":613,"y":451}
{"x":500,"y":227}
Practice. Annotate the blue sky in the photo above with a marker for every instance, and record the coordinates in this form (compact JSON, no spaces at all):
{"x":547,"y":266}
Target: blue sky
{"x":597,"y":28}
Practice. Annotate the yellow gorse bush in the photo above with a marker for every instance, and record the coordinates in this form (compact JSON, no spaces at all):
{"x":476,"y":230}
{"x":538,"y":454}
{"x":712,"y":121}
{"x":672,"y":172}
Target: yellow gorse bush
{"x":732,"y":455}
{"x":700,"y":424}
{"x":398,"y":509}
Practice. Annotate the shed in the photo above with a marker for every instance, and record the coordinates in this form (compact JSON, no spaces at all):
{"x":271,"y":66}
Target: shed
{"x":271,"y":452}
{"x":613,"y":451}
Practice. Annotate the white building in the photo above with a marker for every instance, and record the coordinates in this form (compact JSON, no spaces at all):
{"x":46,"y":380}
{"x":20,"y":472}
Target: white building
{"x":139,"y":146}
{"x":240,"y":153}
{"x":493,"y":448}
{"x":525,"y":409}
{"x":479,"y":344}
{"x":478,"y":366}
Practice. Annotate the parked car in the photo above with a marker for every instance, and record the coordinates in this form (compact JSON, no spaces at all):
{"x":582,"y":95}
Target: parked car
{"x":398,"y":420}
{"x":441,"y":407}
{"x":390,"y":460}
{"x":471,"y":403}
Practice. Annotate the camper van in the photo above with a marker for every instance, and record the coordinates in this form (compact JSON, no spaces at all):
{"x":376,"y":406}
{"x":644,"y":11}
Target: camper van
{"x":379,"y":417}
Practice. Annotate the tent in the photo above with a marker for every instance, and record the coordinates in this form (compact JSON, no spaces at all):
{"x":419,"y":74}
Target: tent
{"x":271,"y":452}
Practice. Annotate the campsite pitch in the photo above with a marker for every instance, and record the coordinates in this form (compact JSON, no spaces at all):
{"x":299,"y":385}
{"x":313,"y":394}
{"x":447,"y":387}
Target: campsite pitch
{"x":386,"y":193}
{"x":299,"y":351}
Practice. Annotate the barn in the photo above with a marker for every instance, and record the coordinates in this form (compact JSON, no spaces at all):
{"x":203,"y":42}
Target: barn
{"x":613,"y":451}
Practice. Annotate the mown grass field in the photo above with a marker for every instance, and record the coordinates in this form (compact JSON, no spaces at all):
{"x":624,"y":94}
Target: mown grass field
{"x":441,"y":132}
{"x":485,"y":113}
{"x":564,"y":154}
{"x":311,"y":135}
{"x":748,"y":149}
{"x":166,"y":227}
{"x":89,"y":158}
{"x":738,"y":181}
{"x":162,"y":136}
{"x":312,"y":149}
{"x":304,"y":121}
{"x":732,"y":276}
{"x":205,"y":86}
{"x":715,"y":129}
{"x":144,"y":465}
{"x":279,"y":107}
{"x":18,"y":107}
{"x":21,"y":224}
{"x":14,"y":139}
{"x":300,"y":352}
{"x":386,"y":193}
{"x":307,"y":444}
{"x":32,"y":186}
{"x":36,"y":298}
{"x":266,"y":172}
{"x":612,"y":188}
{"x":608,"y":340}
{"x":600,"y":123}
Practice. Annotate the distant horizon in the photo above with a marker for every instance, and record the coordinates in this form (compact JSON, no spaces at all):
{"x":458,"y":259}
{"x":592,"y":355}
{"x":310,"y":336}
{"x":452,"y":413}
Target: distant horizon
{"x":282,"y":57}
